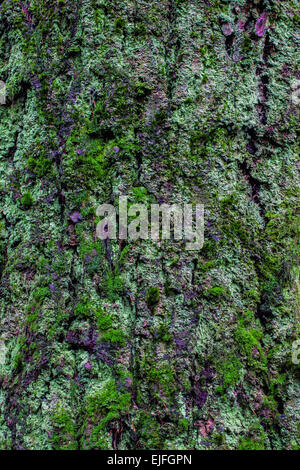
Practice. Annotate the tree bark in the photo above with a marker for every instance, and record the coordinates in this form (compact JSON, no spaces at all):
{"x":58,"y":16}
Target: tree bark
{"x":141,"y":344}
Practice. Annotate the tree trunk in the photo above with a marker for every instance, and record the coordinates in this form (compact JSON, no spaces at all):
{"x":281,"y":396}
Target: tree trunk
{"x":143,"y":344}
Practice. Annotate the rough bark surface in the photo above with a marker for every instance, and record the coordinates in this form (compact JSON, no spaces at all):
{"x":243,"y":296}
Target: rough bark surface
{"x":145,"y":345}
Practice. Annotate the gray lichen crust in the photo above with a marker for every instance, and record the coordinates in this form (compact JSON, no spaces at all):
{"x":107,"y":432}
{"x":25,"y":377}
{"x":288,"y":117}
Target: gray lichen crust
{"x":145,"y":345}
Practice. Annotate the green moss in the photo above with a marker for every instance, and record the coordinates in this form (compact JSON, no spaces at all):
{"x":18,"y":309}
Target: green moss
{"x":86,"y":247}
{"x":27,"y":200}
{"x":64,"y":431}
{"x":170,"y":290}
{"x":152,"y":296}
{"x":104,"y":321}
{"x":18,"y":353}
{"x":230,"y":370}
{"x":218,"y":438}
{"x":270,"y":403}
{"x":142,"y":89}
{"x":114,"y":336}
{"x":149,"y":430}
{"x":83,"y":308}
{"x":107,"y":405}
{"x":123,"y":255}
{"x":119,"y":24}
{"x":162,"y":376}
{"x":269,"y":271}
{"x":140,"y":194}
{"x":86,"y":163}
{"x":255,"y":440}
{"x":140,"y":29}
{"x":163,"y":334}
{"x":236,"y":228}
{"x":113,"y":284}
{"x":174,"y":260}
{"x":215,"y":292}
{"x":251,"y":444}
{"x":247,"y":340}
{"x":33,"y":316}
{"x":206,"y":266}
{"x":183,"y":425}
{"x":294,"y":445}
{"x":41,"y":293}
{"x":39,"y":165}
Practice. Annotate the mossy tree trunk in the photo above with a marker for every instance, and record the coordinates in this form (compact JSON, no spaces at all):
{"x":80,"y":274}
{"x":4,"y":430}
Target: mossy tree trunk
{"x":164,"y":101}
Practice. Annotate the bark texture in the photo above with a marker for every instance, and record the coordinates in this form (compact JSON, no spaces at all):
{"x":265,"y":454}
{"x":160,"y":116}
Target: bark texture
{"x":145,"y":345}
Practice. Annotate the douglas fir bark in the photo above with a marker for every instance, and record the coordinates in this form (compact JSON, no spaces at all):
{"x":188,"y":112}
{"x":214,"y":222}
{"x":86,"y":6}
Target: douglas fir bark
{"x":142,"y":344}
